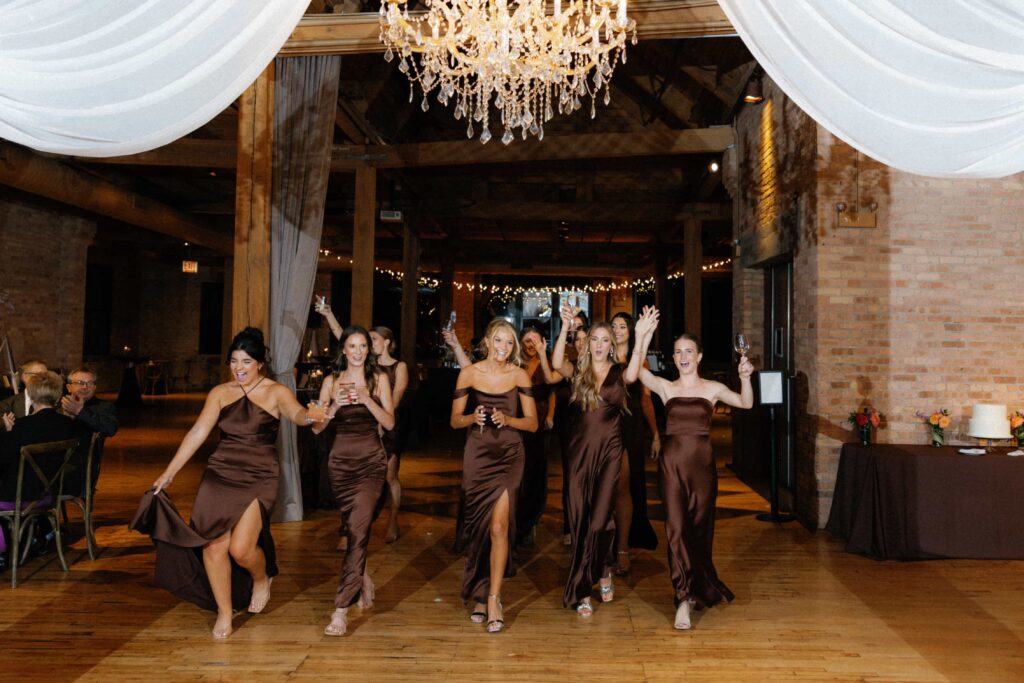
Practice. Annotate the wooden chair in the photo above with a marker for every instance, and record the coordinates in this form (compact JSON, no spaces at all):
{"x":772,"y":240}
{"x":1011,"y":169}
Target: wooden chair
{"x":84,"y":497}
{"x":41,"y":466}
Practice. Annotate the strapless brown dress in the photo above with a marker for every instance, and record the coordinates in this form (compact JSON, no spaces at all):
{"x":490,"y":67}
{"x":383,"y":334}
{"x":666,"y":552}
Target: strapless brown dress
{"x":243,"y":468}
{"x":357,"y":468}
{"x":689,"y":481}
{"x":492,"y":464}
{"x":595,"y":461}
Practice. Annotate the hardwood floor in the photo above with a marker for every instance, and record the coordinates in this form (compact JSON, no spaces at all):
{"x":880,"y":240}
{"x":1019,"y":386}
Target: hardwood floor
{"x":804,"y":610}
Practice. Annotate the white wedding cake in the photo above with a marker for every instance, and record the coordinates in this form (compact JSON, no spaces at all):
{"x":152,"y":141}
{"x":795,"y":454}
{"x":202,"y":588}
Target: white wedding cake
{"x":989,"y":422}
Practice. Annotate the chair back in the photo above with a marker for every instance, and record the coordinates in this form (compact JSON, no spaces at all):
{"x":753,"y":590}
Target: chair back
{"x":41,"y":473}
{"x":92,"y":463}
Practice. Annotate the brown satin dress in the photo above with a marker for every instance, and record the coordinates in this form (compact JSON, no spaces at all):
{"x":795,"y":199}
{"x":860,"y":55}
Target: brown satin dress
{"x":595,"y":461}
{"x":243,"y":468}
{"x":689,"y":481}
{"x":390,"y":438}
{"x":357,"y":468}
{"x":533,"y":491}
{"x":492,"y":464}
{"x":634,"y":429}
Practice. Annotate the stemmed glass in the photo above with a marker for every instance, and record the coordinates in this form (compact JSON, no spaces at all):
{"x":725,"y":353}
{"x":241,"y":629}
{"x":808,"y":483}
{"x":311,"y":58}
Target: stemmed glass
{"x":321,"y":304}
{"x":741,"y":345}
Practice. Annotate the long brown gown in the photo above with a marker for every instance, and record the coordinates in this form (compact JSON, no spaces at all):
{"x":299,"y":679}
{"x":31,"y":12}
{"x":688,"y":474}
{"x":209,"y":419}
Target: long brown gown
{"x":492,"y":465}
{"x":357,"y":468}
{"x":533,"y":491}
{"x":392,"y":437}
{"x":634,"y":428}
{"x":595,"y":460}
{"x":689,"y":482}
{"x":243,"y":468}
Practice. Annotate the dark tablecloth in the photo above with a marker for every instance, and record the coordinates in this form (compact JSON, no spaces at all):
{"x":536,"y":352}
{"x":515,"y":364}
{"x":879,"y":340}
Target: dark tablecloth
{"x":921,"y":502}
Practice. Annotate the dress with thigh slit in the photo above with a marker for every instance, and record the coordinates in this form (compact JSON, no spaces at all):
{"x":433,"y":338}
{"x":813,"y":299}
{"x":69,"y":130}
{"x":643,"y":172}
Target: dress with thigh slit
{"x":242,"y":469}
{"x":595,"y":460}
{"x":357,"y":468}
{"x":689,"y":482}
{"x":492,"y":465}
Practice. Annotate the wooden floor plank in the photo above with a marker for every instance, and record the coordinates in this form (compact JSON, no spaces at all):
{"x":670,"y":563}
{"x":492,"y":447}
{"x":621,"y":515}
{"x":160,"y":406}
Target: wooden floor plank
{"x":805,"y":610}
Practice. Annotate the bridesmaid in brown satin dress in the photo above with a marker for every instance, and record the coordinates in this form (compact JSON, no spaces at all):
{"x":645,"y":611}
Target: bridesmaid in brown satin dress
{"x":594,"y":460}
{"x":383,"y":342}
{"x":239,"y":487}
{"x":533,"y":492}
{"x":689,"y":477}
{"x":492,"y":465}
{"x":360,"y":402}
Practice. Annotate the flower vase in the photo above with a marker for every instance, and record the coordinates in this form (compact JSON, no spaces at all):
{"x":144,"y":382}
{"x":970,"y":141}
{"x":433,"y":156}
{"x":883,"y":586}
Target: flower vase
{"x":938,"y":439}
{"x":865,"y":435}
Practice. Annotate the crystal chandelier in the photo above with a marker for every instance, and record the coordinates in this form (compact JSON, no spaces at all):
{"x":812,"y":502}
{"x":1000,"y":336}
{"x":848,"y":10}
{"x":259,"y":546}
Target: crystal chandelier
{"x":512,"y":54}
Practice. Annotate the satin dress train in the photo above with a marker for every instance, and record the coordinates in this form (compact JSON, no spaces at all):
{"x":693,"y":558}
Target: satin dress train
{"x":357,"y":468}
{"x":243,"y":468}
{"x":689,"y":480}
{"x":492,"y":465}
{"x":595,"y":461}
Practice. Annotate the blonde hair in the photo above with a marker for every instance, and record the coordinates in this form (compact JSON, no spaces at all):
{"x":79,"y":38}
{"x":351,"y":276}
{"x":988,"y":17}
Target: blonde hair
{"x":516,"y":357}
{"x":585,"y":390}
{"x":45,"y":389}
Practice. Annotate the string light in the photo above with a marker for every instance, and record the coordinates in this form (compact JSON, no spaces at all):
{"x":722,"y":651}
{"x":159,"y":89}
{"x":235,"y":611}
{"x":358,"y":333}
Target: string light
{"x":640,"y":284}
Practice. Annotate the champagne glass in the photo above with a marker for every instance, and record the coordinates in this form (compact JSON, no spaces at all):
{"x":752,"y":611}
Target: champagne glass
{"x":487,"y":416}
{"x":321,"y":303}
{"x":741,"y":345}
{"x":450,"y":326}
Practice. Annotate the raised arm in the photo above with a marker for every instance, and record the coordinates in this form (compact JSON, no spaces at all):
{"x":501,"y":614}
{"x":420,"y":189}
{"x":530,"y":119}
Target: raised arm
{"x":331,"y":321}
{"x":646,"y":324}
{"x":745,"y":397}
{"x":195,"y":437}
{"x":558,"y":359}
{"x":453,"y":342}
{"x":550,"y":376}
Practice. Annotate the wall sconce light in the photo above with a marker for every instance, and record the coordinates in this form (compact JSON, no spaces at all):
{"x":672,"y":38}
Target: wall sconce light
{"x":854,"y":218}
{"x":753,"y":95}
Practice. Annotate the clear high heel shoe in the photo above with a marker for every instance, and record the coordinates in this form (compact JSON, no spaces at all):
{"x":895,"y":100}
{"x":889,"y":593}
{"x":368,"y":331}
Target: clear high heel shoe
{"x":496,"y":625}
{"x":608,"y":591}
{"x":339,"y":623}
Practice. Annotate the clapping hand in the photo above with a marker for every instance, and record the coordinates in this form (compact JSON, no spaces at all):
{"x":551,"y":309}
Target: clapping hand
{"x":8,"y":421}
{"x":71,"y":405}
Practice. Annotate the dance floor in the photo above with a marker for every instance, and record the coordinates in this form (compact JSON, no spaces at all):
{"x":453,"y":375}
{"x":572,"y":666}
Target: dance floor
{"x":803,"y":610}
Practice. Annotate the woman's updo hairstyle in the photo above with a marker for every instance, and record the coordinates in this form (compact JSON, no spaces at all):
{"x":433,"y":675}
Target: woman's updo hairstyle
{"x":250,"y":340}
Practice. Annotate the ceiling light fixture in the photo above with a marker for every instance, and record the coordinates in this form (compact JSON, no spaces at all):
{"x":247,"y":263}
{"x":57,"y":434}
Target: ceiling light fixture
{"x":512,"y":54}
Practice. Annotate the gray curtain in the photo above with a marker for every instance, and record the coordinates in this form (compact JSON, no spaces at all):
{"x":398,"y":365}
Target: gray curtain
{"x":305,"y":100}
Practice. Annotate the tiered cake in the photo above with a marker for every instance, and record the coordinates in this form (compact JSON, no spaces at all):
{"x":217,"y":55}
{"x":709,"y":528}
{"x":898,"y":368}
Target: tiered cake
{"x":989,"y":422}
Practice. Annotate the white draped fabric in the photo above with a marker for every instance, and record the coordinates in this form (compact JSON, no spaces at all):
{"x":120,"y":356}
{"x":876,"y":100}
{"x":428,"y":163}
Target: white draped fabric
{"x":933,"y":87}
{"x":112,"y":77}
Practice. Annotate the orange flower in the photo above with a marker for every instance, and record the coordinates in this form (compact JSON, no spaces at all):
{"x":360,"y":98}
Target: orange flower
{"x":874,"y":419}
{"x":1016,"y":421}
{"x":943,"y":422}
{"x":934,"y":419}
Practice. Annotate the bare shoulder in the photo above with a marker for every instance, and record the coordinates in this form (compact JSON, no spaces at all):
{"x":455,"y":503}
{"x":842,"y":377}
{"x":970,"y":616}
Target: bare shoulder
{"x":522,"y":378}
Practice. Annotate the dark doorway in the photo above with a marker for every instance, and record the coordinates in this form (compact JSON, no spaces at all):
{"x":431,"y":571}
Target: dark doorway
{"x":99,"y":298}
{"x":211,"y":317}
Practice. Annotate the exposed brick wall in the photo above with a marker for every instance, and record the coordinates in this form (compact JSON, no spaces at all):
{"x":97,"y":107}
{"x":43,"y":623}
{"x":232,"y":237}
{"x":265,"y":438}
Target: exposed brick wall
{"x":43,"y":270}
{"x":916,"y":314}
{"x":464,"y":305}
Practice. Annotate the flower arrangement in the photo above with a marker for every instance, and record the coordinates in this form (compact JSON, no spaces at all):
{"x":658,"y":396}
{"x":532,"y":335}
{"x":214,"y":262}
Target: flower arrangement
{"x":1017,"y":427}
{"x":863,"y":420}
{"x":938,"y":422}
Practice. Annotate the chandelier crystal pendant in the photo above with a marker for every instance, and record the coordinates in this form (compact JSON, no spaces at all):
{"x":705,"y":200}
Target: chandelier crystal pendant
{"x":514,"y":55}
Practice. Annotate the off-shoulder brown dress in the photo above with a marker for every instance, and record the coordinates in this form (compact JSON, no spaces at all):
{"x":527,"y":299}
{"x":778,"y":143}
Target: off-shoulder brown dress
{"x":492,"y":464}
{"x":595,"y":460}
{"x":357,"y":468}
{"x":689,"y":481}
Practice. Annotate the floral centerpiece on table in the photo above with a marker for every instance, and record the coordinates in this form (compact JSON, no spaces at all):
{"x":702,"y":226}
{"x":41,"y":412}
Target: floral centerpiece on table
{"x":938,"y":422}
{"x":1017,"y":427}
{"x":863,"y":420}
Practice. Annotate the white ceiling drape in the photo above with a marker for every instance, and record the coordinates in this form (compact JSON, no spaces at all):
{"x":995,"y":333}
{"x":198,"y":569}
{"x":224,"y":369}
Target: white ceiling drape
{"x":933,"y":87}
{"x":113,"y":77}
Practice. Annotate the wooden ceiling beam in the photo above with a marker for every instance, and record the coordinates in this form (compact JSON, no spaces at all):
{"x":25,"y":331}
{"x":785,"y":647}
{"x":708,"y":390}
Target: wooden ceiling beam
{"x":582,"y":212}
{"x":47,"y":177}
{"x":341,"y":34}
{"x":189,"y":152}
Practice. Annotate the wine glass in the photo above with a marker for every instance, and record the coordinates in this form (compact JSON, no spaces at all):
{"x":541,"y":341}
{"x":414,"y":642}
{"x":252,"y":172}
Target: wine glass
{"x":741,"y":345}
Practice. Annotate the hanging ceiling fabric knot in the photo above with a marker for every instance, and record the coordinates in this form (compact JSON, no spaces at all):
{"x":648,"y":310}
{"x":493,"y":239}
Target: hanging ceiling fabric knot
{"x":512,"y":55}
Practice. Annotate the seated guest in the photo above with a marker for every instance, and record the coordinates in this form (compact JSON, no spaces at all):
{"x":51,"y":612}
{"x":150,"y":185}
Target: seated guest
{"x":19,"y":402}
{"x":91,"y":415}
{"x":43,"y":424}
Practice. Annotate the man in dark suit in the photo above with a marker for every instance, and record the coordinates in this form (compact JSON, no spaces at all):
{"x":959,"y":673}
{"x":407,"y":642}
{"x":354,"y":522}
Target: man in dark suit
{"x":19,"y":403}
{"x":43,"y":424}
{"x":91,"y":415}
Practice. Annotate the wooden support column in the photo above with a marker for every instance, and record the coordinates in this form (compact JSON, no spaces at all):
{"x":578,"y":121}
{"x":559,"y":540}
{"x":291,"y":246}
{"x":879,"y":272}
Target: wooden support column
{"x":663,"y":300}
{"x":250,"y":298}
{"x":410,"y":278}
{"x":693,"y":260}
{"x":364,"y":230}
